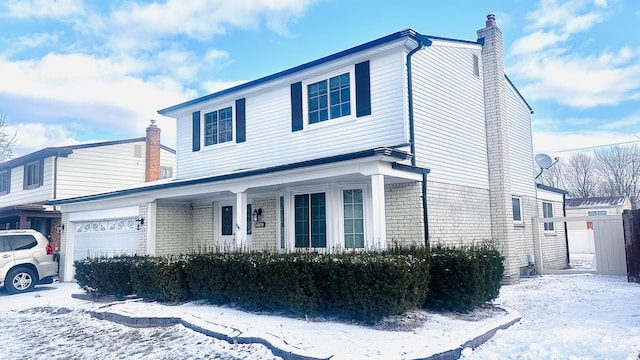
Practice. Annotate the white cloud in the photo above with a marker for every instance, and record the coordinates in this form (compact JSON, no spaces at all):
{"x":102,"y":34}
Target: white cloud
{"x":97,"y":90}
{"x":551,"y":70}
{"x":555,"y":143}
{"x":43,"y":8}
{"x":139,"y":26}
{"x":35,"y":136}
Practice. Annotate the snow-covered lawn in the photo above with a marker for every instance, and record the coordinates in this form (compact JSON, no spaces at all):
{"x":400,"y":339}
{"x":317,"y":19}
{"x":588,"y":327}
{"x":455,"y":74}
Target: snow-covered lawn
{"x":579,"y":316}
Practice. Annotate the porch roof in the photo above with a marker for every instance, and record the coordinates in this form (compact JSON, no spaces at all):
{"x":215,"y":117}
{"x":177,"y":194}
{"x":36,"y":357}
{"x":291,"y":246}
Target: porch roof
{"x":173,"y":184}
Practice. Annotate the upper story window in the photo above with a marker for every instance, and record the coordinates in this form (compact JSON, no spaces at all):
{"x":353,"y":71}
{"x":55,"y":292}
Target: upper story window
{"x":476,"y":65}
{"x":5,"y":181}
{"x":166,"y":172}
{"x":218,"y":126}
{"x":33,"y":175}
{"x":596,"y":212}
{"x":329,"y":99}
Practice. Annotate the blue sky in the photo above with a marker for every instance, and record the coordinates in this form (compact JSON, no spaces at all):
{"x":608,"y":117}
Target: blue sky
{"x":75,"y":71}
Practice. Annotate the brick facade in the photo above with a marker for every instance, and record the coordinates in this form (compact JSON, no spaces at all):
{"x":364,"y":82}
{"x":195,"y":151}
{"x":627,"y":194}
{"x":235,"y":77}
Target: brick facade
{"x":265,"y":238}
{"x":174,"y":224}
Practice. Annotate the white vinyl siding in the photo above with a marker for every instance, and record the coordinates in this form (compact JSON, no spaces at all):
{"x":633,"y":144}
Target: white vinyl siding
{"x":101,"y":168}
{"x":270,"y":140}
{"x":86,"y":170}
{"x":521,"y":166}
{"x":449,"y":115}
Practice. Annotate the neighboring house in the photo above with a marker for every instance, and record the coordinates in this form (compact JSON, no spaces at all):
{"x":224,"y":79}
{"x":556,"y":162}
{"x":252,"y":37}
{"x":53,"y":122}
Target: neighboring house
{"x":407,"y":139}
{"x":581,"y":237}
{"x":553,"y":235}
{"x":27,"y":182}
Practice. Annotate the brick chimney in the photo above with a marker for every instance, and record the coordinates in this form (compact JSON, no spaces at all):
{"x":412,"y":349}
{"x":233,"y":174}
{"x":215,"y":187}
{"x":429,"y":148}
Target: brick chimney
{"x":152,"y":159}
{"x":495,"y":109}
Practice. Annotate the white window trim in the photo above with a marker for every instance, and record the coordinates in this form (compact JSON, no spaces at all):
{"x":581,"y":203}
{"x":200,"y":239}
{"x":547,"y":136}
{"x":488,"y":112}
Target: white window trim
{"x":553,"y":231}
{"x":203,"y":126}
{"x":335,"y":215}
{"x":327,"y":76}
{"x":521,"y":221}
{"x":366,"y":199}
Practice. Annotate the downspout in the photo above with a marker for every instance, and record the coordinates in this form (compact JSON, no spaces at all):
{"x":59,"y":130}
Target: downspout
{"x":412,"y":143}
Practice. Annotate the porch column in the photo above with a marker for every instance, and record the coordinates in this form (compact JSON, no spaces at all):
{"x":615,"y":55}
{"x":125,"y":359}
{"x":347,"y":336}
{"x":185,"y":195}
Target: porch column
{"x":378,"y":212}
{"x":241,"y":219}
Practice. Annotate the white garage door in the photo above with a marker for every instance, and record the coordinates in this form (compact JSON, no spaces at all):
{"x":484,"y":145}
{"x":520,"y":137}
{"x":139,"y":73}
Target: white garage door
{"x":105,"y":238}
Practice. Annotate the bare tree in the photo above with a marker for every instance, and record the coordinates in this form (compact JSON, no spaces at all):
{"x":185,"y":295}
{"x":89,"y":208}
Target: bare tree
{"x":554,"y":176}
{"x":581,"y":176}
{"x":7,"y":141}
{"x":619,"y":167}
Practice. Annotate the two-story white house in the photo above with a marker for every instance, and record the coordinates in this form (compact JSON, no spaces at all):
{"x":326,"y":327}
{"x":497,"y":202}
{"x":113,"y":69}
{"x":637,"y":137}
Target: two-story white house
{"x":27,"y":182}
{"x":406,"y":139}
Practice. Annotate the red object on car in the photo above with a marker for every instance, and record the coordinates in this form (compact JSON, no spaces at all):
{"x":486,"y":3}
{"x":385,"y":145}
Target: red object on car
{"x":49,"y":249}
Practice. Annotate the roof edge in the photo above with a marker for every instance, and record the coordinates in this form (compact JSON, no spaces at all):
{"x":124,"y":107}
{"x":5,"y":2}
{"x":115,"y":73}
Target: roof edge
{"x":385,"y":151}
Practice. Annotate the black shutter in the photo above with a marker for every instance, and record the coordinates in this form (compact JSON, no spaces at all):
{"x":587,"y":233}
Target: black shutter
{"x":363,"y":89}
{"x":240,"y":121}
{"x":196,"y":130}
{"x":296,"y":106}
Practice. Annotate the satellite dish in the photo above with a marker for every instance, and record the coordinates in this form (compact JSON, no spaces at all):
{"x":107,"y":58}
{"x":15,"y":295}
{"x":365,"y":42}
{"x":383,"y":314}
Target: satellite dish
{"x":544,"y":161}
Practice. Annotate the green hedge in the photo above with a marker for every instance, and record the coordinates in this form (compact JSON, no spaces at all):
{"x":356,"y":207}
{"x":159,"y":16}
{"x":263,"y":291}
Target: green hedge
{"x":355,"y":285}
{"x":105,"y":276}
{"x":161,"y":279}
{"x":464,"y":278}
{"x":358,"y":285}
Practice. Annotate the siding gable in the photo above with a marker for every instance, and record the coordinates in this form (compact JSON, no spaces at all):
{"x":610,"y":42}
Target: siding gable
{"x":195,"y":131}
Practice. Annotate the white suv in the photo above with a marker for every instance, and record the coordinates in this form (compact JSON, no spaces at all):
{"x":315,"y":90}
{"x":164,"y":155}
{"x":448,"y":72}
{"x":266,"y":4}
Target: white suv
{"x":26,"y":259}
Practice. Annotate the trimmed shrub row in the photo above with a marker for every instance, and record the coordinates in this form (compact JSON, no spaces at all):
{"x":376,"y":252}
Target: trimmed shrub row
{"x":464,"y":278}
{"x":358,"y":285}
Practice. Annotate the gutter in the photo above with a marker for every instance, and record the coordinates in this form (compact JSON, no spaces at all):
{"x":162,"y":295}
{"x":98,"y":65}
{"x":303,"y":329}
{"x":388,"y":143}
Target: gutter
{"x":422,"y":43}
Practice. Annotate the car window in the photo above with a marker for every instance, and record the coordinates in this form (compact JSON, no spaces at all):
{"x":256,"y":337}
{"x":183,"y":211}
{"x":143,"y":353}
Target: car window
{"x":4,"y":244}
{"x":22,"y":242}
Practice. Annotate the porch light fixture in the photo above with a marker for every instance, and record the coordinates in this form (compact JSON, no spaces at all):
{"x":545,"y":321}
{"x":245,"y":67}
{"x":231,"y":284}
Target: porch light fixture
{"x":59,"y":228}
{"x":140,"y":222}
{"x":257,"y":218}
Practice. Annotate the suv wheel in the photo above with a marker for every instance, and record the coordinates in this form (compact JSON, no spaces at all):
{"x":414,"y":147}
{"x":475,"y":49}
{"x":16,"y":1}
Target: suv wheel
{"x":19,"y":280}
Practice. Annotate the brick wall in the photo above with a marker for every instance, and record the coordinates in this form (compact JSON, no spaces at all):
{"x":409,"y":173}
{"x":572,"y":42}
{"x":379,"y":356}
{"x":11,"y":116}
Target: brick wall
{"x":554,"y":244}
{"x":63,"y":245}
{"x":403,"y":208}
{"x":458,"y":215}
{"x":174,"y":233}
{"x":265,"y":238}
{"x":142,"y":232}
{"x":203,"y":227}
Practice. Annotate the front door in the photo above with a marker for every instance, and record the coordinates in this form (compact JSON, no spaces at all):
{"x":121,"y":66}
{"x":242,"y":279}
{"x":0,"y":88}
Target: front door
{"x":226,"y":227}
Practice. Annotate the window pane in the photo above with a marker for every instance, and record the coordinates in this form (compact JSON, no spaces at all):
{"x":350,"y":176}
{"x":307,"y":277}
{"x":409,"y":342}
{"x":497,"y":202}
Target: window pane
{"x":353,"y":218}
{"x":226,"y":125}
{"x":340,"y":96}
{"x":302,"y":220}
{"x":211,"y":128}
{"x":517,"y":216}
{"x":227,"y":220}
{"x":317,"y":101}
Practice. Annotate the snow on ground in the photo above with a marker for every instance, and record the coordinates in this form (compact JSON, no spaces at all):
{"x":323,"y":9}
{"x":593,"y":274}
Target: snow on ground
{"x":577,"y":316}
